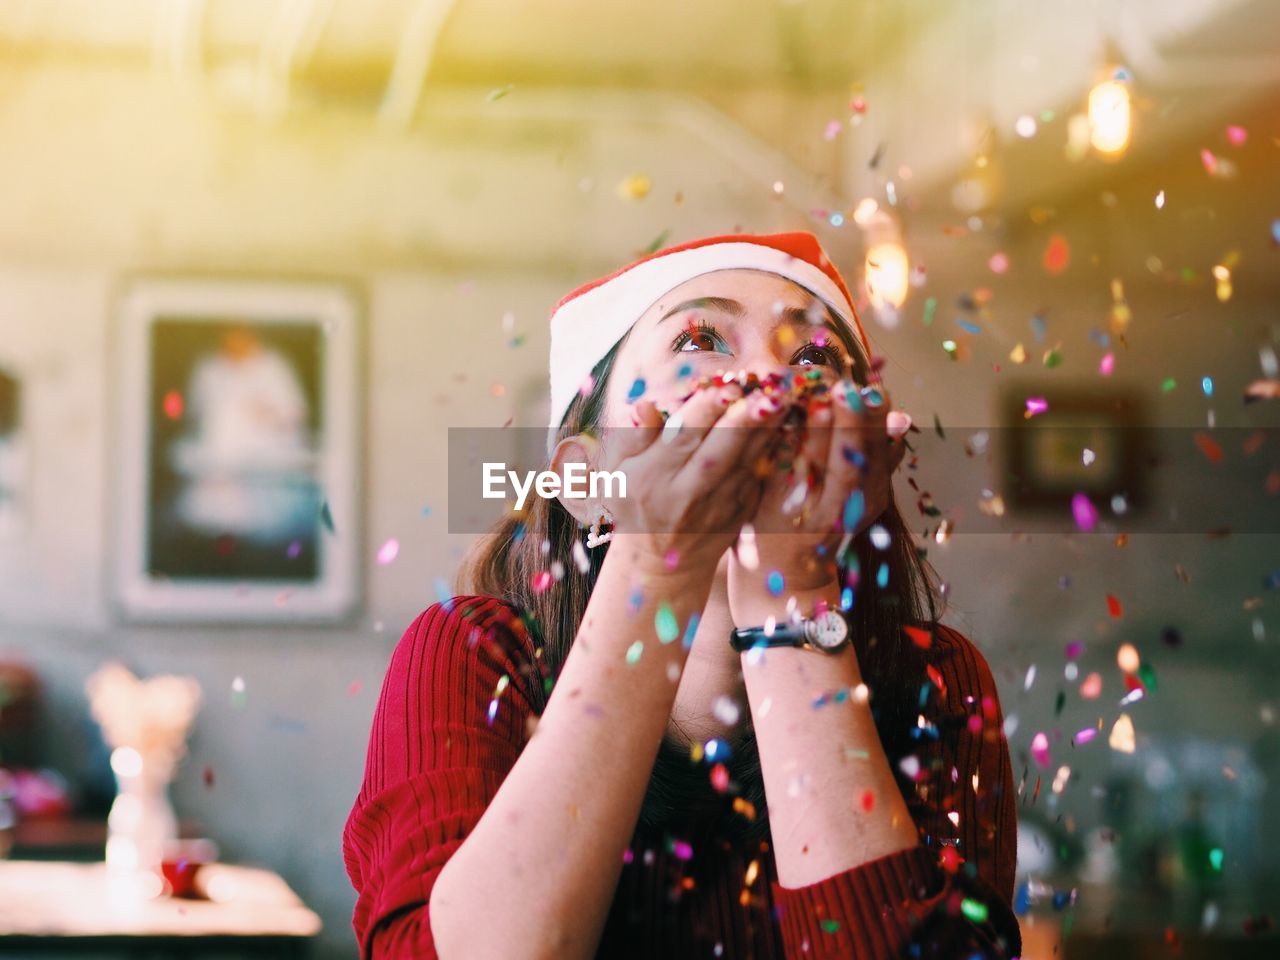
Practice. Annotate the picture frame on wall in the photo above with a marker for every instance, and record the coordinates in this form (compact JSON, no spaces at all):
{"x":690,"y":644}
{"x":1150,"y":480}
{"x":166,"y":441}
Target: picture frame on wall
{"x":1044,"y":465}
{"x":13,"y":456}
{"x":237,"y":451}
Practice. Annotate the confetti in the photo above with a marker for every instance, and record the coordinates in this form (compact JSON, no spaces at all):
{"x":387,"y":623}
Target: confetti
{"x":497,"y":93}
{"x":999,"y":263}
{"x":388,"y":552}
{"x":854,"y":507}
{"x":1035,"y":406}
{"x":1222,"y":274}
{"x":238,"y":695}
{"x":920,"y":637}
{"x":1040,"y":749}
{"x":690,"y":630}
{"x":173,"y":405}
{"x":775,"y":583}
{"x":665,"y":623}
{"x":1085,"y":513}
{"x":1114,"y":607}
{"x":1057,"y":255}
{"x":1091,"y":688}
{"x":634,"y":187}
{"x":634,"y":651}
{"x":720,"y":778}
{"x":656,"y":243}
{"x":974,"y":910}
{"x":1107,"y":365}
{"x":326,"y":516}
{"x":1122,"y":735}
{"x":1127,"y":658}
{"x":1209,"y":447}
{"x":580,"y":559}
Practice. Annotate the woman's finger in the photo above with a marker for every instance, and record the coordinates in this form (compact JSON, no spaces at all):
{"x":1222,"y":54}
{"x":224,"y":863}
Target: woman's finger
{"x":689,"y":423}
{"x":622,"y":443}
{"x":735,"y":440}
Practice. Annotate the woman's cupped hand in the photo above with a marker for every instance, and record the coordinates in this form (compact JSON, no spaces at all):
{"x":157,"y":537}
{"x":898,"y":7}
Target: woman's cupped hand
{"x":695,"y":474}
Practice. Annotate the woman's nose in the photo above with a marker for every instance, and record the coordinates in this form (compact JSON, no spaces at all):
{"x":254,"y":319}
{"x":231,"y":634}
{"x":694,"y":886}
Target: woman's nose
{"x":763,"y":364}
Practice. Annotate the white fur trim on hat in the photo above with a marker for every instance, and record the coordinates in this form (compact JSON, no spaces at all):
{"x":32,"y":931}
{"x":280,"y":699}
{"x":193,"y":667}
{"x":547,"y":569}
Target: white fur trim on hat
{"x":585,"y":328}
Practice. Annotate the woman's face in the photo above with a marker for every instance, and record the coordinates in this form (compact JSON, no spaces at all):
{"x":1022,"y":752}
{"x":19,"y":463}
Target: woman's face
{"x":729,"y":320}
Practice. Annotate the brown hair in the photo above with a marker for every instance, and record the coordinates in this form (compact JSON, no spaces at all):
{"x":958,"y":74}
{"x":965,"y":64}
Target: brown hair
{"x":505,"y":561}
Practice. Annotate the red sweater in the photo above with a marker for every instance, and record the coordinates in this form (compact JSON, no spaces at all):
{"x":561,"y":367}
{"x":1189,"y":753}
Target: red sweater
{"x":438,"y":753}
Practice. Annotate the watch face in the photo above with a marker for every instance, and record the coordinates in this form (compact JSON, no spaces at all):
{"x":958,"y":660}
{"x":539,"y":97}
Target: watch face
{"x":831,"y":630}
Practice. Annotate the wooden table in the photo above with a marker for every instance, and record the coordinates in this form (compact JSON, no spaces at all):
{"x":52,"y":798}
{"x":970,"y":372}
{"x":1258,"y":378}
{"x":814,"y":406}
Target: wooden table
{"x":51,"y":906}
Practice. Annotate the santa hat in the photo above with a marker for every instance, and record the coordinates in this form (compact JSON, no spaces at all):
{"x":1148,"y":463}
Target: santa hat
{"x":587,"y":323}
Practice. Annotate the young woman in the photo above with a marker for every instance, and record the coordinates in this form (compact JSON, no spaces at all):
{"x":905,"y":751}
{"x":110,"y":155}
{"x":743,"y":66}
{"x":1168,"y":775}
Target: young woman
{"x":716,"y":717}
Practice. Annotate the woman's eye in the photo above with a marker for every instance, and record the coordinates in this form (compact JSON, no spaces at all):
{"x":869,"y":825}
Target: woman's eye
{"x":813,"y":354}
{"x":699,"y":339}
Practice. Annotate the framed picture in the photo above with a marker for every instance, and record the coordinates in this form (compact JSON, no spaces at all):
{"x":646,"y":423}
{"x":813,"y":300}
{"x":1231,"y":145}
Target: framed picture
{"x":1090,"y":442}
{"x":13,"y":455}
{"x":237,"y":451}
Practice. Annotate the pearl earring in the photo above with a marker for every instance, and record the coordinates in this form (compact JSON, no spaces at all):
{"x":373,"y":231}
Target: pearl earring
{"x":594,"y":537}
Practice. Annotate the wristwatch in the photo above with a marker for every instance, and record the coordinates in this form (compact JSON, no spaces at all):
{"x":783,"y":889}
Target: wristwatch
{"x":828,"y":632}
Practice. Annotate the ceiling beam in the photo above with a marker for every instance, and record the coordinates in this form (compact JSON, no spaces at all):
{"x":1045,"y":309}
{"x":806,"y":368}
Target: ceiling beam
{"x":413,"y":59}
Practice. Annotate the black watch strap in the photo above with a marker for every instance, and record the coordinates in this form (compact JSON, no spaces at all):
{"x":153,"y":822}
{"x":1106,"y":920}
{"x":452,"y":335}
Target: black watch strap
{"x":784,"y":635}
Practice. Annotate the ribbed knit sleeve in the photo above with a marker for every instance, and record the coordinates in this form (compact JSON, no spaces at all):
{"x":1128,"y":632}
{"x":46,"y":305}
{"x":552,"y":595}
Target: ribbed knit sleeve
{"x":449,"y":724}
{"x":951,"y":895}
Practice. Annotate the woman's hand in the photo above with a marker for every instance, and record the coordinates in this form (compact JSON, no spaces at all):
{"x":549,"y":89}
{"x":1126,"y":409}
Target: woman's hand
{"x":839,"y":483}
{"x":695,"y":479}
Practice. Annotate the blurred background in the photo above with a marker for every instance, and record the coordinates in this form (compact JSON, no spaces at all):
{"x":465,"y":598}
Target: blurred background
{"x":258,"y":256}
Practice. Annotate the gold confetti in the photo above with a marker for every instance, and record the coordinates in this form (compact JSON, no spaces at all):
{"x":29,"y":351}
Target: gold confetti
{"x":634,"y":187}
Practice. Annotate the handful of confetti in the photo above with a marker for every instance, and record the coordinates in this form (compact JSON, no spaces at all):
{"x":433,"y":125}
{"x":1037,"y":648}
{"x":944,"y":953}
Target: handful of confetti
{"x":801,"y":392}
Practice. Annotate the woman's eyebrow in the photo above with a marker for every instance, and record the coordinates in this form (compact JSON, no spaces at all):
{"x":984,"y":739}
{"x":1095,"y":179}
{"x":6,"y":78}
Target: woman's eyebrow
{"x":717,"y":303}
{"x":802,"y":317}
